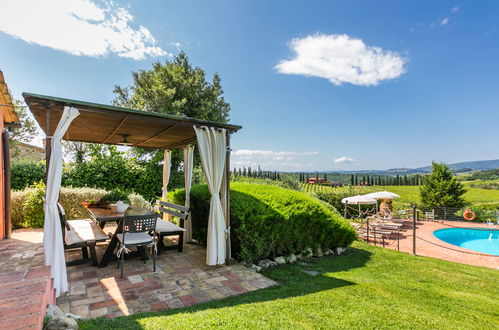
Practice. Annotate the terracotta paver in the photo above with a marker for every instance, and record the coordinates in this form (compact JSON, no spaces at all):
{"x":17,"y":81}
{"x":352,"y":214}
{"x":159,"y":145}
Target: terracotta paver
{"x":25,"y":285}
{"x":181,"y":279}
{"x":429,"y":246}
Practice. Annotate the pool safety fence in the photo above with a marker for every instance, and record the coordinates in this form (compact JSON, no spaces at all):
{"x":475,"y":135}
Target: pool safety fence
{"x":379,"y":235}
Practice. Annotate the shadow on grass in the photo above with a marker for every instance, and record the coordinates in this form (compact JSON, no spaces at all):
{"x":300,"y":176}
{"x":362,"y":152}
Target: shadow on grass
{"x":292,"y":282}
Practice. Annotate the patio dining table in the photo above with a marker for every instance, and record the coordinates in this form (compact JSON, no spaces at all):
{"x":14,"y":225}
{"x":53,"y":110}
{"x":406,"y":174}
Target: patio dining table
{"x":103,"y":216}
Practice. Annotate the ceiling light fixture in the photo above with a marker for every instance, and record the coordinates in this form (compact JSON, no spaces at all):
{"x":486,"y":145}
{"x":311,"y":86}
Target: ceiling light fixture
{"x":125,"y":141}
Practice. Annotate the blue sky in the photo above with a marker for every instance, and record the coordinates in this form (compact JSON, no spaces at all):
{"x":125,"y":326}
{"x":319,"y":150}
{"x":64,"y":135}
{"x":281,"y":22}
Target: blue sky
{"x":317,"y":85}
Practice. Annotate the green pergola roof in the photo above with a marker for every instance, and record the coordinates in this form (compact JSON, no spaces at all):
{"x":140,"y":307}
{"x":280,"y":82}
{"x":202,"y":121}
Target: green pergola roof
{"x":101,"y":123}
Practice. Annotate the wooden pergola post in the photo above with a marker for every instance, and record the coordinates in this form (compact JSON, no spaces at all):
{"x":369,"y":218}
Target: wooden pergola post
{"x":48,"y":145}
{"x":227,"y":197}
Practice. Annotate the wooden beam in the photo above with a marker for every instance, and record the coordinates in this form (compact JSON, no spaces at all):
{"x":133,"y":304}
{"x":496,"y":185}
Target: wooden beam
{"x":115,"y":129}
{"x":154,"y":136}
{"x":179,"y":144}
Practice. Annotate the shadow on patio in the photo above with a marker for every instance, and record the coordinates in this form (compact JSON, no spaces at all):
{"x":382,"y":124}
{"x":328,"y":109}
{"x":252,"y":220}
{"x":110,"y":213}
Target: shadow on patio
{"x":181,"y":279}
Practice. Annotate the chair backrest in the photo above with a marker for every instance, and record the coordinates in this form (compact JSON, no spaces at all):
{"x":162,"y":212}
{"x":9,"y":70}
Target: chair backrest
{"x":175,"y":210}
{"x":139,"y":223}
{"x":64,"y":222}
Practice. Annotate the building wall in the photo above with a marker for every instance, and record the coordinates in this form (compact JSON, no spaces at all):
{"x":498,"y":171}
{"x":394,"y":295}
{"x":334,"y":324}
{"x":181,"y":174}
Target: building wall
{"x":25,"y":152}
{"x":2,"y":182}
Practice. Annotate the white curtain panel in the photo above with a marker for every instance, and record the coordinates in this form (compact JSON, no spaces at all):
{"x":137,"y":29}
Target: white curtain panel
{"x":52,"y":232}
{"x":167,"y":165}
{"x":212,"y":149}
{"x":188,"y":163}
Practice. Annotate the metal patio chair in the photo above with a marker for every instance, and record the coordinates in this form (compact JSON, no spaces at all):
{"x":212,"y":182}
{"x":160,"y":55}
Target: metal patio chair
{"x":135,"y":233}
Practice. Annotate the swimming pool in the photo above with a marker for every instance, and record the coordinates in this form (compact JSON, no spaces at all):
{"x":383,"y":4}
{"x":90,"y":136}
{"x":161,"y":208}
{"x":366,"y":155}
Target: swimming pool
{"x":485,"y":241}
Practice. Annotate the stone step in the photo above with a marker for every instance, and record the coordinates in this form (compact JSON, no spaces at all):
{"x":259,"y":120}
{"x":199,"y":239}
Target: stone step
{"x":24,"y":296}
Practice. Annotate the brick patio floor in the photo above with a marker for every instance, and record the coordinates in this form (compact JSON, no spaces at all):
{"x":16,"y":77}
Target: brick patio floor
{"x":429,"y":246}
{"x":181,"y":279}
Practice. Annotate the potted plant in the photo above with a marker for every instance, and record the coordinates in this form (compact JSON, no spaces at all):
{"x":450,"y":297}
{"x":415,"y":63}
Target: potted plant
{"x":113,"y":197}
{"x":386,"y":204}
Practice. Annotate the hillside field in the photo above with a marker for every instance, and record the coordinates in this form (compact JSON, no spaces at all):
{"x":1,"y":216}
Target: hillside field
{"x":410,"y":194}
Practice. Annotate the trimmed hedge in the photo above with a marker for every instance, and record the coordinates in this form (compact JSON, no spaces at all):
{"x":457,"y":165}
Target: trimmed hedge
{"x":25,"y":174}
{"x":27,"y":204}
{"x":268,"y":221}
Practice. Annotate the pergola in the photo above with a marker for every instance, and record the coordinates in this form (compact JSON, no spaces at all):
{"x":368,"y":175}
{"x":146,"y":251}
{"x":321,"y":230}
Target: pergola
{"x":80,"y":121}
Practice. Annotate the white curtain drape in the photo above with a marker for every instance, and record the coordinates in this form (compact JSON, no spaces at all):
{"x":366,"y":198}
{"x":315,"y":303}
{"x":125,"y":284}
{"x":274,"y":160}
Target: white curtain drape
{"x":52,"y":232}
{"x":212,"y":149}
{"x":188,"y":163}
{"x":167,"y":165}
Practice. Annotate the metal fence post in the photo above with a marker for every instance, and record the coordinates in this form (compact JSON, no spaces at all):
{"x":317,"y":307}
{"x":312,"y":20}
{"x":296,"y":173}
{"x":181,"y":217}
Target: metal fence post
{"x":398,"y":239}
{"x":414,"y":215}
{"x":367,"y":226}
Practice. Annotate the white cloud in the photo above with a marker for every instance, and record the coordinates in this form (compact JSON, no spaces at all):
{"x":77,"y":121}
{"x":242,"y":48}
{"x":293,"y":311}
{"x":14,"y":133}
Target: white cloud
{"x":79,"y":27}
{"x":444,"y":21}
{"x":455,"y":9}
{"x":342,"y":59}
{"x":270,"y":153}
{"x":344,"y":159}
{"x":272,"y":160}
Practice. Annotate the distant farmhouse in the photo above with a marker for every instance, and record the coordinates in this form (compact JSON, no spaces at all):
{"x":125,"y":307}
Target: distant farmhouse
{"x":21,"y":151}
{"x":316,"y":180}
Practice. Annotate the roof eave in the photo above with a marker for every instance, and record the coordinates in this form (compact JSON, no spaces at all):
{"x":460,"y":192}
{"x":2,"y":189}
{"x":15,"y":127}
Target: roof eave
{"x":104,"y":107}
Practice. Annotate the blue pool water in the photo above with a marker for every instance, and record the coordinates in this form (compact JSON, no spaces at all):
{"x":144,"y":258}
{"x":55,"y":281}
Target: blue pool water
{"x":485,"y":241}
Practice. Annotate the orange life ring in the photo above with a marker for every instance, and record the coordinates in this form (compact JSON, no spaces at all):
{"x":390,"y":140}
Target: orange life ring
{"x":469,"y":215}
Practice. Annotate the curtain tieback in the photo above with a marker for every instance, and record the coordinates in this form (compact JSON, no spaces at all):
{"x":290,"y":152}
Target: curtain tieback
{"x":155,"y":246}
{"x":227,"y":232}
{"x":123,"y":249}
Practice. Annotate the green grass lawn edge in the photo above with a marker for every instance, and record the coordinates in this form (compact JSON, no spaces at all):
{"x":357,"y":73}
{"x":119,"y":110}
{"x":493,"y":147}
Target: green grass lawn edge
{"x":370,"y":287}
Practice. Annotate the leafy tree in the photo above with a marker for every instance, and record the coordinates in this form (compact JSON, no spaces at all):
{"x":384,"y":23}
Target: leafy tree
{"x":441,"y":188}
{"x":26,"y":133}
{"x":174,"y":87}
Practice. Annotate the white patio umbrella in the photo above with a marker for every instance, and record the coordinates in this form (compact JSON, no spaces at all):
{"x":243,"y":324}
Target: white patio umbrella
{"x":357,"y":200}
{"x":382,"y":195}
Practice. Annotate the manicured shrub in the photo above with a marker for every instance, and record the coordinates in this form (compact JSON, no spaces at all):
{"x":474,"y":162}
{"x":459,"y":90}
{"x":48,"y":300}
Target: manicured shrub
{"x":267,"y":221}
{"x":27,"y":205}
{"x":33,"y":206}
{"x":25,"y":174}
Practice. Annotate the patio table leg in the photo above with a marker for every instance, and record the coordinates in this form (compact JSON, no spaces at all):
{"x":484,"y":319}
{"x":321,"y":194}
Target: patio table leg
{"x":108,"y":255}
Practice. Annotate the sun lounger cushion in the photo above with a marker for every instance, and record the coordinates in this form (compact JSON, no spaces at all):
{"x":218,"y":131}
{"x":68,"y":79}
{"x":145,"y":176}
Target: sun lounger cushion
{"x":81,"y":231}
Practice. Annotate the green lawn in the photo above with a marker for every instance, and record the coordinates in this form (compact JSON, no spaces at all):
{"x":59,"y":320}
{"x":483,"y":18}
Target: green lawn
{"x":368,"y":288}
